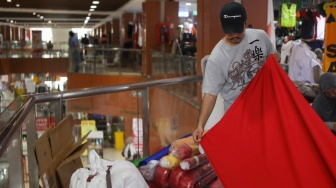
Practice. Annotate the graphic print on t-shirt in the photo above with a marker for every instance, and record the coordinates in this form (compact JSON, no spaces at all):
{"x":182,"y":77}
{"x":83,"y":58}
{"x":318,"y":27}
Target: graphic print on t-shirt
{"x":242,"y":72}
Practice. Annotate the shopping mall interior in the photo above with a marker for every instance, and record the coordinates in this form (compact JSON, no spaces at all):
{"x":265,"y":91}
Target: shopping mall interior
{"x":121,"y":78}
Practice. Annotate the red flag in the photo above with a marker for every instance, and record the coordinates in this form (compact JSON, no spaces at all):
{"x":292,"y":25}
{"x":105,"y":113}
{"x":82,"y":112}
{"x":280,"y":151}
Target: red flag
{"x":271,"y":137}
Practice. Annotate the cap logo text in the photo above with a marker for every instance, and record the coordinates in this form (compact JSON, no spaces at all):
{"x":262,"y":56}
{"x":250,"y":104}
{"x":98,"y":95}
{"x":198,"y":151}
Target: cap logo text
{"x":234,"y":17}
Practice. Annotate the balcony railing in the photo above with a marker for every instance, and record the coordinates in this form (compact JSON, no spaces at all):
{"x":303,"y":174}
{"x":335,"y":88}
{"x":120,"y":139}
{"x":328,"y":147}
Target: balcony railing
{"x":22,"y":118}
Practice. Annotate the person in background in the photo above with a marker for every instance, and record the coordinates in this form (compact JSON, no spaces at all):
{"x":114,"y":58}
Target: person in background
{"x":74,"y":53}
{"x":85,"y":41}
{"x":233,"y":62}
{"x":50,"y":45}
{"x":324,"y":103}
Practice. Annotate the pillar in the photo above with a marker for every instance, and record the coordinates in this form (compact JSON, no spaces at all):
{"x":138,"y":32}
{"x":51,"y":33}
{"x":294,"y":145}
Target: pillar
{"x":108,"y":31}
{"x":151,"y":17}
{"x":116,"y":31}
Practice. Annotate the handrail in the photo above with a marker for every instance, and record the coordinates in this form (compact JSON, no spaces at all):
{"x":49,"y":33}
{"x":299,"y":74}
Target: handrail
{"x":19,"y":116}
{"x":15,"y":124}
{"x":86,"y":92}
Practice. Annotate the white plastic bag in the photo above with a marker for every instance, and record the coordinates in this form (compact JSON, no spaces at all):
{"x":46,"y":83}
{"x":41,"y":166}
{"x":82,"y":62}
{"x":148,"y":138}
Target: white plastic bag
{"x":123,"y":174}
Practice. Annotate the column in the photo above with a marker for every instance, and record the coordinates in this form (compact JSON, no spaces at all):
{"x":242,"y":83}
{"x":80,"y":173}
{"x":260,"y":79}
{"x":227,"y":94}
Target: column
{"x":116,"y":31}
{"x":152,"y":17}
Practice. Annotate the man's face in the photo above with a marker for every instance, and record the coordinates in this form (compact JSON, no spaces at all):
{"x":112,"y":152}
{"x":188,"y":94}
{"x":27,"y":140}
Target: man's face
{"x":235,"y":38}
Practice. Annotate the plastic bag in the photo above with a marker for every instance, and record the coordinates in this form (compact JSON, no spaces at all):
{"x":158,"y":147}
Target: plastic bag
{"x":148,"y":171}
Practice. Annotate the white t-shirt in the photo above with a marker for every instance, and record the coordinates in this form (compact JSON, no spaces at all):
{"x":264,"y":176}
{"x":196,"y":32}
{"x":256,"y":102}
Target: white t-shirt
{"x":301,"y":63}
{"x":231,"y":68}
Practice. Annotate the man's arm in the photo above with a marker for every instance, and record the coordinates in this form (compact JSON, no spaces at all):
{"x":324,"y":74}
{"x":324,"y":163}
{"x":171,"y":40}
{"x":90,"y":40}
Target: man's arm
{"x":207,"y":106}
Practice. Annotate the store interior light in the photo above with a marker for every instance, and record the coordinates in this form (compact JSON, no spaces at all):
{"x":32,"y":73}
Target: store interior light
{"x":188,"y":4}
{"x":93,"y":6}
{"x":17,"y":5}
{"x":183,"y":14}
{"x":9,"y":1}
{"x":95,"y":2}
{"x":91,"y":9}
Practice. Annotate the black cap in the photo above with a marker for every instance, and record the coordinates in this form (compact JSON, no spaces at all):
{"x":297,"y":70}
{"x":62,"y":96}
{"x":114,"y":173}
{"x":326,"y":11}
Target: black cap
{"x":233,"y":17}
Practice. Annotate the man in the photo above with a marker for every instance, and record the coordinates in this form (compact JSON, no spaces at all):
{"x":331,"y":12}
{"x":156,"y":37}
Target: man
{"x":233,"y":62}
{"x":74,"y":52}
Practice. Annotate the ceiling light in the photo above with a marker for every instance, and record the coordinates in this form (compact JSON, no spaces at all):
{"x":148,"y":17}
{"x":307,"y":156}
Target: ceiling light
{"x":89,"y":14}
{"x":188,"y":4}
{"x":49,"y":21}
{"x":38,"y":15}
{"x":17,"y":5}
{"x":93,"y":6}
{"x":11,"y":21}
{"x":34,"y":13}
{"x":95,"y":2}
{"x":41,"y":17}
{"x":11,"y":1}
{"x":88,"y":18}
{"x":92,"y":9}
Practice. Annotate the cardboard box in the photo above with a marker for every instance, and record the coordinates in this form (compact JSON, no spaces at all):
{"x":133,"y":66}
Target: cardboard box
{"x":57,"y":155}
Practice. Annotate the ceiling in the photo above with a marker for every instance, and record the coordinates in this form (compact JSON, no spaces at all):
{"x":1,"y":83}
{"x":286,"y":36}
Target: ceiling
{"x":70,"y":13}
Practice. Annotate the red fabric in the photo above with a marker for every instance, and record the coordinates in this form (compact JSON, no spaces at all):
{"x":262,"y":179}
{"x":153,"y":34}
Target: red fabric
{"x":271,"y":137}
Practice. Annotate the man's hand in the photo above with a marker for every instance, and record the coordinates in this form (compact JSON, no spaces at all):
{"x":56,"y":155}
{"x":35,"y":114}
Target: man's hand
{"x":197,"y":134}
{"x":277,"y":56}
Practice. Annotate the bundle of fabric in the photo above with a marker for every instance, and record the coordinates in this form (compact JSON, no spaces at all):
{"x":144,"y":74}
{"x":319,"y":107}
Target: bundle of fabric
{"x":184,"y":167}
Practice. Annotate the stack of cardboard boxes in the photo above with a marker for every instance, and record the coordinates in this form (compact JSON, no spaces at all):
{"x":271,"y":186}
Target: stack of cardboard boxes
{"x":57,"y":155}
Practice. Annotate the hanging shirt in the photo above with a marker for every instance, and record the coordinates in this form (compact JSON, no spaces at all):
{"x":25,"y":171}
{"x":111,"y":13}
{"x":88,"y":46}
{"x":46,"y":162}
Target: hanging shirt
{"x":301,"y":62}
{"x":288,"y":15}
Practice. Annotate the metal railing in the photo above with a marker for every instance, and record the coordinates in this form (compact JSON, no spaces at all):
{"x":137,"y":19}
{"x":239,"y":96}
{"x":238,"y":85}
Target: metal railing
{"x":24,"y":115}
